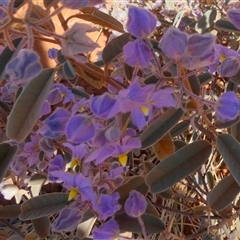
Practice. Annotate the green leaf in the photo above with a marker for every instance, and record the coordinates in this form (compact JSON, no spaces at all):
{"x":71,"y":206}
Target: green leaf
{"x":179,"y":128}
{"x":223,"y":193}
{"x":205,"y":78}
{"x":42,"y":226}
{"x":95,"y":16}
{"x":156,"y":130}
{"x":27,"y":108}
{"x":135,"y":183}
{"x":195,"y":84}
{"x":224,"y":25}
{"x":7,"y":55}
{"x":205,"y":22}
{"x":115,"y":47}
{"x":129,"y":224}
{"x":43,"y":205}
{"x":80,"y":93}
{"x":178,"y":166}
{"x":7,"y":153}
{"x":5,"y":107}
{"x":227,"y":124}
{"x":68,"y":70}
{"x":235,"y":131}
{"x":10,"y":211}
{"x":229,"y":148}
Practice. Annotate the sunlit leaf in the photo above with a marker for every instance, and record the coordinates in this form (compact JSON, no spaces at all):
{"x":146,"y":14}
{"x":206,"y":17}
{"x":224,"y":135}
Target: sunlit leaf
{"x":229,"y":148}
{"x":223,"y":193}
{"x":42,"y":226}
{"x":10,"y":211}
{"x":43,"y":205}
{"x":156,"y":130}
{"x":84,"y":228}
{"x":95,"y":16}
{"x":178,"y":166}
{"x":36,"y":183}
{"x":152,"y":223}
{"x":115,"y":47}
{"x":7,"y":153}
{"x":205,"y":22}
{"x":27,"y":108}
{"x":164,"y":147}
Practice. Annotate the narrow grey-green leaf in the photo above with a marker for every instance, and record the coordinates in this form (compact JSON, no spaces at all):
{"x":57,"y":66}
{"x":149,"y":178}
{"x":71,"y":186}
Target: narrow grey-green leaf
{"x":205,"y":78}
{"x":156,"y":130}
{"x":42,"y":226}
{"x":178,"y":166}
{"x":7,"y":153}
{"x":179,"y":128}
{"x":68,"y":70}
{"x":129,"y":224}
{"x":43,"y":205}
{"x":135,"y":183}
{"x":10,"y":211}
{"x":229,"y":148}
{"x":224,"y":25}
{"x":79,"y":93}
{"x":115,"y":47}
{"x":195,"y":84}
{"x":27,"y":108}
{"x":227,"y":124}
{"x":223,"y":193}
{"x":7,"y":55}
{"x":235,"y":131}
{"x":205,"y":22}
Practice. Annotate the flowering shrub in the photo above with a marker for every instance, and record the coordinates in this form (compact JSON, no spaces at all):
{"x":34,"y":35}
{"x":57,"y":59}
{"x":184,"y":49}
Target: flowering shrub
{"x":130,"y":146}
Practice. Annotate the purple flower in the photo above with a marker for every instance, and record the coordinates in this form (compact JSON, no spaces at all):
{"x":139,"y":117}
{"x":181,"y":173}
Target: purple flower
{"x":227,"y":107}
{"x":67,"y":220}
{"x":138,"y":15}
{"x":221,"y":53}
{"x":115,"y":149}
{"x":108,"y":205}
{"x":78,"y":152}
{"x":55,"y":124}
{"x":76,"y":4}
{"x":173,"y":43}
{"x":77,"y":184}
{"x":52,"y":53}
{"x":3,"y":14}
{"x":102,"y":105}
{"x":229,"y":67}
{"x":46,"y":109}
{"x":136,"y":204}
{"x":25,"y":66}
{"x":47,"y":144}
{"x":137,"y":53}
{"x":234,"y":17}
{"x":57,"y":164}
{"x":199,"y":44}
{"x":108,"y":230}
{"x":112,"y":133}
{"x":80,"y":128}
{"x":58,"y":93}
{"x":192,"y":63}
